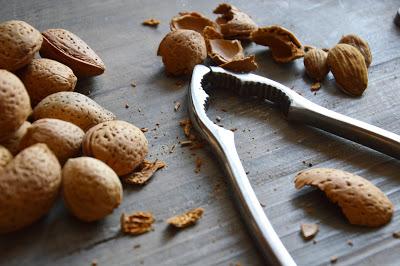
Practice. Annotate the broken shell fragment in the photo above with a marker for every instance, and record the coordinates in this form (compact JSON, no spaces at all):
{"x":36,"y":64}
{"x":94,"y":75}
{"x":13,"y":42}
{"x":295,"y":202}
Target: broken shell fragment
{"x":224,"y":51}
{"x":234,"y":23}
{"x":284,"y":45}
{"x":191,"y":21}
{"x":246,"y":64}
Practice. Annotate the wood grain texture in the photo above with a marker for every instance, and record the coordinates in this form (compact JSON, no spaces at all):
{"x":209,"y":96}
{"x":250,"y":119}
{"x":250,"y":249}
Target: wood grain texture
{"x":271,"y":149}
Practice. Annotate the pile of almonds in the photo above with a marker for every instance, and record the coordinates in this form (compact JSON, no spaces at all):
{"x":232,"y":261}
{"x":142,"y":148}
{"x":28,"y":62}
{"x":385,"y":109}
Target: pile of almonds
{"x":193,"y":37}
{"x":66,"y":125}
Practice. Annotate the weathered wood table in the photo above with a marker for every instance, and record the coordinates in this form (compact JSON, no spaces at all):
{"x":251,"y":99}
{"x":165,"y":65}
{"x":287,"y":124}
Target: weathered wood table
{"x":271,"y":149}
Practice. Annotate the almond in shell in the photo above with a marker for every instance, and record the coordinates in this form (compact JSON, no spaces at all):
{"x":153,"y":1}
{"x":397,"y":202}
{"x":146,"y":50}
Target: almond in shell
{"x":19,"y":43}
{"x":43,"y":77}
{"x":72,"y":107}
{"x":361,"y":202}
{"x":119,"y":144}
{"x":67,"y":48}
{"x":12,"y":141}
{"x":360,"y":44}
{"x":15,"y":106}
{"x":349,"y":69}
{"x":63,"y":138}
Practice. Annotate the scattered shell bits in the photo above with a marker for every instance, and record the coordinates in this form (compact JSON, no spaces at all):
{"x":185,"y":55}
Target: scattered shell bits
{"x":144,"y":172}
{"x":186,"y":219}
{"x":284,"y":45}
{"x":137,"y":223}
{"x":152,"y":22}
{"x":191,"y":21}
{"x":361,"y":202}
{"x":309,"y":231}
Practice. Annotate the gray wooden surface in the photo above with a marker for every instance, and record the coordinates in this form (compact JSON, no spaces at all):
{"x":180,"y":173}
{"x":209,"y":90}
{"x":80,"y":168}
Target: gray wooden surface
{"x":272,"y":150}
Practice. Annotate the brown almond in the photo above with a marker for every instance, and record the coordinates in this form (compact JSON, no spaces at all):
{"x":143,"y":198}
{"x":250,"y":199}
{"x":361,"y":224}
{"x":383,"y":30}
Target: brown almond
{"x":72,"y":107}
{"x":67,"y":48}
{"x":15,"y":106}
{"x":91,"y":189}
{"x":348,"y":67}
{"x":181,"y":50}
{"x":119,"y":144}
{"x":362,"y":203}
{"x":234,"y":24}
{"x":284,"y":45}
{"x":316,"y":65}
{"x":19,"y":43}
{"x":43,"y":77}
{"x":12,"y":141}
{"x":63,"y":138}
{"x":29,"y":186}
{"x":360,"y":44}
{"x":191,"y":21}
{"x":5,"y":157}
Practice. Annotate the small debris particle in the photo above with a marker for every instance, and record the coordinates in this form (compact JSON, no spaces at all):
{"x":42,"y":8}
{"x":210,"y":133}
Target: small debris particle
{"x":126,"y":106}
{"x":133,"y":84}
{"x":315,"y":86}
{"x":262,"y":204}
{"x":350,"y":243}
{"x":309,"y":231}
{"x":172,"y":149}
{"x":137,"y":223}
{"x":310,"y":165}
{"x":179,"y":83}
{"x":314,"y":241}
{"x":186,"y":219}
{"x":333,"y":259}
{"x":233,"y":129}
{"x":94,"y":263}
{"x":177,"y":105}
{"x":396,"y":234}
{"x":187,"y":126}
{"x":218,"y":118}
{"x":197,"y":145}
{"x":144,"y":172}
{"x":151,"y":22}
{"x":136,"y":246}
{"x":144,"y":129}
{"x":223,"y":110}
{"x":157,"y":124}
{"x":184,"y":143}
{"x":199,"y":162}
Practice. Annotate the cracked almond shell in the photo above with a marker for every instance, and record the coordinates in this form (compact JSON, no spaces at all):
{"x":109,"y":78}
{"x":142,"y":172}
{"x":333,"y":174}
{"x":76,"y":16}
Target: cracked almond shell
{"x":15,"y":105}
{"x":63,"y":138}
{"x":119,"y":144}
{"x":224,"y":51}
{"x":5,"y":157}
{"x":234,"y":24}
{"x":316,"y":64}
{"x":360,"y":44}
{"x":361,"y":202}
{"x":43,"y":77}
{"x":72,"y":107}
{"x":191,"y":21}
{"x":67,"y":48}
{"x":19,"y":43}
{"x":12,"y":141}
{"x":29,"y":186}
{"x":284,"y":45}
{"x":181,"y":50}
{"x":348,"y":67}
{"x":91,"y":189}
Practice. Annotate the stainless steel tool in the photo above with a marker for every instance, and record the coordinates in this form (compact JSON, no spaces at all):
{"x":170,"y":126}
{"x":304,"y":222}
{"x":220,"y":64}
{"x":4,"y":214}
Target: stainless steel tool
{"x":295,"y":108}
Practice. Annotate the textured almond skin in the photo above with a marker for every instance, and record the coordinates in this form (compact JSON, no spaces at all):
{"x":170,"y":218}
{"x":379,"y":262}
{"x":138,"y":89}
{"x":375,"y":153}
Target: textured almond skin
{"x":360,"y":44}
{"x":119,"y":144}
{"x":12,"y":141}
{"x":19,"y":43}
{"x":348,"y":67}
{"x":15,"y":105}
{"x":284,"y":45}
{"x":28,"y":188}
{"x":72,"y":107}
{"x":234,"y":23}
{"x":43,"y":77}
{"x":5,"y":157}
{"x":63,"y":138}
{"x":316,"y":65}
{"x":181,"y":50}
{"x":67,"y":48}
{"x":361,"y":202}
{"x":91,"y":189}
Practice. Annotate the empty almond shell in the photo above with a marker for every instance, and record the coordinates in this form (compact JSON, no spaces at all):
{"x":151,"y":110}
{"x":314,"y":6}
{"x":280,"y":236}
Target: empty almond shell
{"x":67,"y":48}
{"x":362,"y":203}
{"x":234,"y":23}
{"x":223,"y":51}
{"x":284,"y":45}
{"x":119,"y":144}
{"x":191,"y":21}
